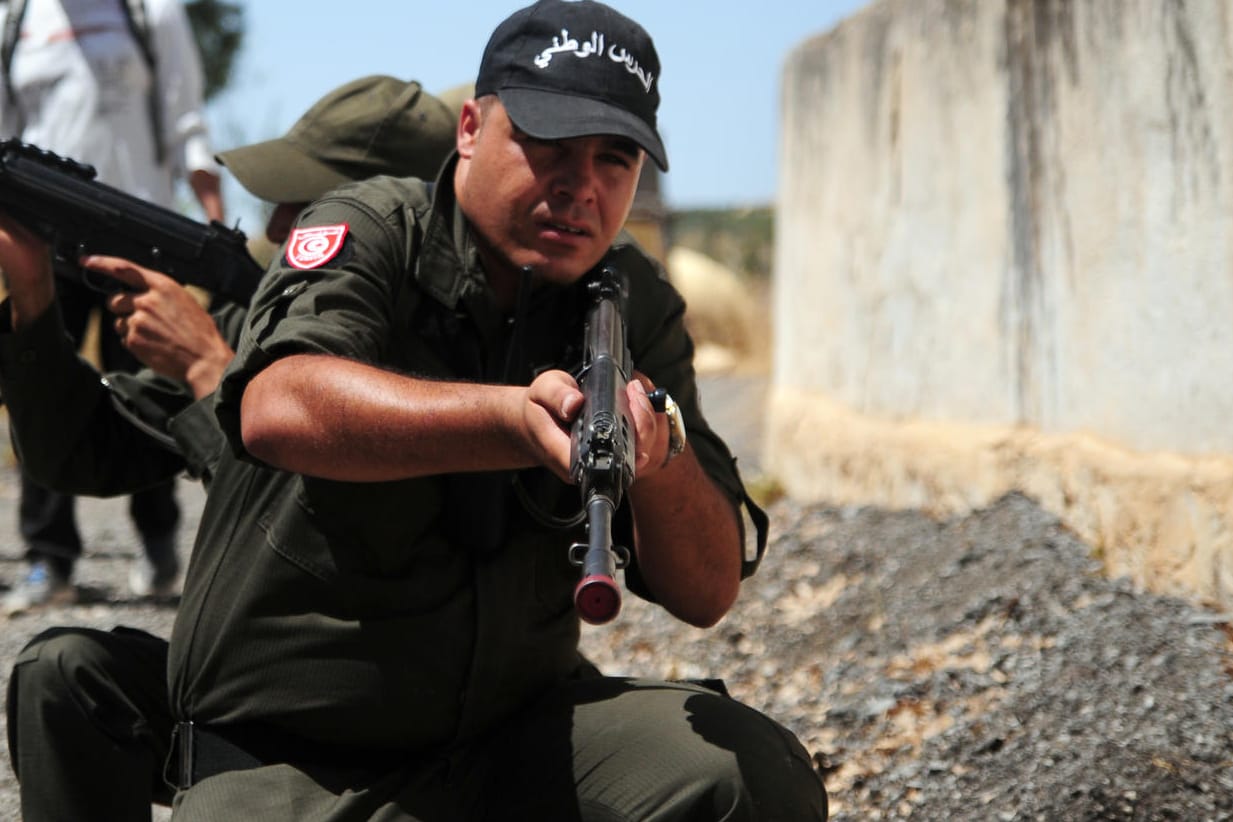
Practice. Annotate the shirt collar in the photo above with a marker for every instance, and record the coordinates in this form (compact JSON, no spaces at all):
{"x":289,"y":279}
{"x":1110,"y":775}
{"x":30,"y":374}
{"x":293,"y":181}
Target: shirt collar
{"x":448,"y":269}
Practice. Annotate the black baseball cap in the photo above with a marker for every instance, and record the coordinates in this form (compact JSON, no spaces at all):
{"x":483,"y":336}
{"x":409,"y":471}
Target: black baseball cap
{"x":573,"y":68}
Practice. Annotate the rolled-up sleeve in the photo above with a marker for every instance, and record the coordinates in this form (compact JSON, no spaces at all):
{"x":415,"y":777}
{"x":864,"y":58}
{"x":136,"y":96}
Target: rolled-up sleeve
{"x":342,"y":308}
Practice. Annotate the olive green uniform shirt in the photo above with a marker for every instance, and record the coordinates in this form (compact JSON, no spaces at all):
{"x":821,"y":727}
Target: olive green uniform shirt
{"x":412,"y":614}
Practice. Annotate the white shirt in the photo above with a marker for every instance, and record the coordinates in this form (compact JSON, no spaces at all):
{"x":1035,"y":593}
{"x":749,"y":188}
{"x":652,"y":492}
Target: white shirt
{"x":81,"y":82}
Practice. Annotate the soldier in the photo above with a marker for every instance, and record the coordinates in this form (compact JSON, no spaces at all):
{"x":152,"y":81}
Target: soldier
{"x":373,"y":624}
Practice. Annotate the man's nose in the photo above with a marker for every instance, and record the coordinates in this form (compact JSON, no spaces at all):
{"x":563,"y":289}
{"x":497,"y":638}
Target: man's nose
{"x":576,"y":175}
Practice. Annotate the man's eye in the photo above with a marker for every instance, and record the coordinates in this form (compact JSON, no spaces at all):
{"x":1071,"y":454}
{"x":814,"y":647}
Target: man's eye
{"x":621,"y":152}
{"x":617,"y":159}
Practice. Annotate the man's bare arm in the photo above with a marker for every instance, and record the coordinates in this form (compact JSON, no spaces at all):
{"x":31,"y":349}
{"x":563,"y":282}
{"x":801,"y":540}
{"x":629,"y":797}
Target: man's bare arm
{"x":334,"y":418}
{"x":687,"y":535}
{"x":208,"y":189}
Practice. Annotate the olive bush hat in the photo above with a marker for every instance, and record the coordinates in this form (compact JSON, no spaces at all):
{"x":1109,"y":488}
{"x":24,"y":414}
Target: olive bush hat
{"x":572,"y":69}
{"x":370,"y":126}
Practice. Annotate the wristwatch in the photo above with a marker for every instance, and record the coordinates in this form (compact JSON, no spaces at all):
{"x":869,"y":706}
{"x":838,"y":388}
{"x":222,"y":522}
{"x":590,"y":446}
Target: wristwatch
{"x":676,"y":429}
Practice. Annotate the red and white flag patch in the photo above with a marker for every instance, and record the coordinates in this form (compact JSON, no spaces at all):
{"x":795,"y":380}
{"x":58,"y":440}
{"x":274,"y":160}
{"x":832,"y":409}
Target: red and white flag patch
{"x":315,"y":246}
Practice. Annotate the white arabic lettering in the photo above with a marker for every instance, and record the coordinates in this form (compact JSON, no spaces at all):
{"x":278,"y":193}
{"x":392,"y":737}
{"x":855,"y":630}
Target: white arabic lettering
{"x":562,"y":43}
{"x":559,"y":44}
{"x":595,"y":45}
{"x":631,"y":65}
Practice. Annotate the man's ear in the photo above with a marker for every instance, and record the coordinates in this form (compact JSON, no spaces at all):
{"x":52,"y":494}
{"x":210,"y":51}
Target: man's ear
{"x":469,"y":120}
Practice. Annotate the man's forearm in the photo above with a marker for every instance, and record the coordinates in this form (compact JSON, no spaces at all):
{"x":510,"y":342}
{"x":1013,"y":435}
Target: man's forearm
{"x":338,"y":419}
{"x":688,"y":541}
{"x":207,"y":187}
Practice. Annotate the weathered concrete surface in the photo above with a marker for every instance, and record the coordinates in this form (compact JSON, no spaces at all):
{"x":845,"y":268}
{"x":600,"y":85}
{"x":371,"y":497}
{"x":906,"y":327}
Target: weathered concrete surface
{"x":1003,"y":261}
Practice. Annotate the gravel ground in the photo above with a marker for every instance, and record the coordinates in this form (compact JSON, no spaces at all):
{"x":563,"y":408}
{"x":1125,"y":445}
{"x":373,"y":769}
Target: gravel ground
{"x":979,"y":668}
{"x":974,"y":669}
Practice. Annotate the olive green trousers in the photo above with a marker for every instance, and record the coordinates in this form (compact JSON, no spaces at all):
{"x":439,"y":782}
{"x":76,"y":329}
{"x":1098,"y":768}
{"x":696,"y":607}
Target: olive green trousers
{"x":89,"y":728}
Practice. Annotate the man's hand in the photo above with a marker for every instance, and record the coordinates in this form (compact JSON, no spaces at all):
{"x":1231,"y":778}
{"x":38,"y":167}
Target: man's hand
{"x":553,"y":402}
{"x":25,"y":261}
{"x":650,"y":428}
{"x":164,"y":326}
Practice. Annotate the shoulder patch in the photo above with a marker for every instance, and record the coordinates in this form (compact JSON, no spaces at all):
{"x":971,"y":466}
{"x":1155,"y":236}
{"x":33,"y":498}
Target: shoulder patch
{"x":315,"y":246}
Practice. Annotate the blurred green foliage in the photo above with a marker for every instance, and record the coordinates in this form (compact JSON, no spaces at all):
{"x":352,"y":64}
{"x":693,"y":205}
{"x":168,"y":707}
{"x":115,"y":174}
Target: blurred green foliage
{"x":219,"y":30}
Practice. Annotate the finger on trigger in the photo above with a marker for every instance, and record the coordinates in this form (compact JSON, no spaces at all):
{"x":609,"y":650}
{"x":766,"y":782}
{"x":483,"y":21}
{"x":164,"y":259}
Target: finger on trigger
{"x":115,"y":268}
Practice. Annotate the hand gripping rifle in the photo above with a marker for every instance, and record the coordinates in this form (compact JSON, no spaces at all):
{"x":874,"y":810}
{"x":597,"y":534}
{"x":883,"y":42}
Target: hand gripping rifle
{"x":59,"y":199}
{"x":602,"y":446}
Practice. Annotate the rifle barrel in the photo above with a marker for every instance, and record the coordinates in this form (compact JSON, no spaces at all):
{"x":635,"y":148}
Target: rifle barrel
{"x":597,"y":596}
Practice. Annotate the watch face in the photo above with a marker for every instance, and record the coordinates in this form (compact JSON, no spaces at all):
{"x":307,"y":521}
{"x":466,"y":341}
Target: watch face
{"x":676,"y":428}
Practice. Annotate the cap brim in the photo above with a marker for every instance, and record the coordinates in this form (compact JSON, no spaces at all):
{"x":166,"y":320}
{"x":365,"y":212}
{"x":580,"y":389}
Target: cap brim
{"x":551,"y":115}
{"x":279,"y":172}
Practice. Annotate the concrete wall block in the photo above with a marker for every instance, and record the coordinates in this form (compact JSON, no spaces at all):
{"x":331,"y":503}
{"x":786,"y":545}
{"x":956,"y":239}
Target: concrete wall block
{"x":1013,"y":212}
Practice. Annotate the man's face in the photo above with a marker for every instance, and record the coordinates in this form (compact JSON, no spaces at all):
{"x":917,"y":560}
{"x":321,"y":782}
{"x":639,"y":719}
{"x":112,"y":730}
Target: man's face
{"x":555,"y":205}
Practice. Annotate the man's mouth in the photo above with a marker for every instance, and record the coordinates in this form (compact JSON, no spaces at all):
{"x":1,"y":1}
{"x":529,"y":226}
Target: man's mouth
{"x":566,"y":229}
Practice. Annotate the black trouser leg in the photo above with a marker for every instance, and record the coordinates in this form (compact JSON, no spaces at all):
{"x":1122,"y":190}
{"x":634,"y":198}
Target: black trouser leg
{"x":46,"y":518}
{"x":156,"y":514}
{"x":48,"y":526}
{"x":89,"y":724}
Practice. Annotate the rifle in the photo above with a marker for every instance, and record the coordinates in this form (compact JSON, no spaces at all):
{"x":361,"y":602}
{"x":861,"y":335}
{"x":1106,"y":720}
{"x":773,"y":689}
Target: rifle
{"x":602,"y":446}
{"x":59,"y":199}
